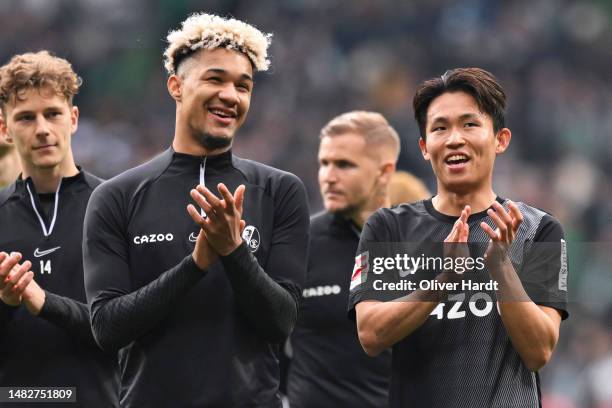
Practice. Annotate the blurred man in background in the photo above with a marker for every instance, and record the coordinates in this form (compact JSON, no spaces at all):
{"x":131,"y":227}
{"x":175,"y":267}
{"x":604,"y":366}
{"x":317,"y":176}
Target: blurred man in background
{"x":10,"y":167}
{"x":46,"y":339}
{"x":357,"y":156}
{"x":198,"y":307}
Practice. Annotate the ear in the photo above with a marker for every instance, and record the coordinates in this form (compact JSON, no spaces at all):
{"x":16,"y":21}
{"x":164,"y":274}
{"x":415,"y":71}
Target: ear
{"x":423,"y":147}
{"x":4,"y":130}
{"x":502,"y":140}
{"x":74,"y":118}
{"x":174,"y":87}
{"x":386,"y":171}
{"x":2,"y":126}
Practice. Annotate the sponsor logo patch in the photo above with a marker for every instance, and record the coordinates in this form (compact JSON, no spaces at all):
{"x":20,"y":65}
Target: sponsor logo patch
{"x":325,"y":290}
{"x":563,"y":270}
{"x":152,"y":238}
{"x":360,"y":270}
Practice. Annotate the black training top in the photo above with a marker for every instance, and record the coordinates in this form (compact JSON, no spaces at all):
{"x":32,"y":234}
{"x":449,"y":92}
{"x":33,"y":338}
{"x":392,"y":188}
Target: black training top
{"x":191,"y":337}
{"x":462,"y":356}
{"x":329,"y":368}
{"x":56,"y":348}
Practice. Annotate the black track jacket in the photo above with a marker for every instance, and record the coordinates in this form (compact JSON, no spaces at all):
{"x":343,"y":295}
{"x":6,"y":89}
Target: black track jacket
{"x":195,"y":338}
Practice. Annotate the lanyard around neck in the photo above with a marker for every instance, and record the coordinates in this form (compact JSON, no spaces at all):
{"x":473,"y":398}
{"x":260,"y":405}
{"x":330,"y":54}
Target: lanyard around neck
{"x":40,"y":218}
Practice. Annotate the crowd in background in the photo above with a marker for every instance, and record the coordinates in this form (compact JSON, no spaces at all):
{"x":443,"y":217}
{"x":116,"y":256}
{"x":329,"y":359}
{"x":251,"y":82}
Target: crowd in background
{"x":330,"y":56}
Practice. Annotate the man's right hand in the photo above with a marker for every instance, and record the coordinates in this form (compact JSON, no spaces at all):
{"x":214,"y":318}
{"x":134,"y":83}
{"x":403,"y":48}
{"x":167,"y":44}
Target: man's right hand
{"x":455,"y":244}
{"x":203,"y":255}
{"x":14,"y":278}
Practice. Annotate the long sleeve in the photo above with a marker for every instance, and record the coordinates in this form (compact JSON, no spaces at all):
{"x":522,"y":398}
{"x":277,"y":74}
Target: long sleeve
{"x":119,"y":314}
{"x":269,"y":297}
{"x":271,"y":308}
{"x":68,"y":314}
{"x":6,"y":314}
{"x":118,"y":321}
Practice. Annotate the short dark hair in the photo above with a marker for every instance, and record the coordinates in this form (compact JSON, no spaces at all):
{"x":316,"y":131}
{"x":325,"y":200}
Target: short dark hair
{"x":480,"y":84}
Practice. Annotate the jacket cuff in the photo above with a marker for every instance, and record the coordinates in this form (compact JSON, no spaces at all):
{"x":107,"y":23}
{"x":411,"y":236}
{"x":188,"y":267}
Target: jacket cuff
{"x":51,"y":307}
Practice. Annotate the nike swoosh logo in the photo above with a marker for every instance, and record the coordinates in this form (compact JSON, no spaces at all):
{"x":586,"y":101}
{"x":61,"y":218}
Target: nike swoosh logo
{"x":407,"y":272}
{"x":38,"y":253}
{"x":193,"y":237}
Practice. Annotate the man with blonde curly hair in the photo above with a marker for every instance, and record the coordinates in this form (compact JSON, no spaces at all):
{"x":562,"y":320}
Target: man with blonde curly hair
{"x":199,"y":300}
{"x":46,"y":338}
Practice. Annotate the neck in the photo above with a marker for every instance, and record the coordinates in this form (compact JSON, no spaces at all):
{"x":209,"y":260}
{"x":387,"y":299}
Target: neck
{"x":360,"y":215}
{"x":6,"y":150}
{"x":10,"y":167}
{"x":452,"y":203}
{"x":196,"y":149}
{"x":184,"y":142}
{"x":47,"y":179}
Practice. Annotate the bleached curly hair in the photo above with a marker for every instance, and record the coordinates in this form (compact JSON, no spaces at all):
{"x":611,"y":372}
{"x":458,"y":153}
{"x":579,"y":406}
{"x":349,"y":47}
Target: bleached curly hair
{"x":208,"y":31}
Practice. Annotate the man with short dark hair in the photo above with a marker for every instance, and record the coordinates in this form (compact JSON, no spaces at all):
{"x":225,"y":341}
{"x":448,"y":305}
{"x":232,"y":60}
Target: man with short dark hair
{"x":357,"y":156}
{"x":199,"y":301}
{"x":45,"y":337}
{"x":453,"y":345}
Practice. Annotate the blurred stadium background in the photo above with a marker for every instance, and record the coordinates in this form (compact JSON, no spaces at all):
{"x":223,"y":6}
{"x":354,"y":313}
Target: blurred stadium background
{"x":328,"y":56}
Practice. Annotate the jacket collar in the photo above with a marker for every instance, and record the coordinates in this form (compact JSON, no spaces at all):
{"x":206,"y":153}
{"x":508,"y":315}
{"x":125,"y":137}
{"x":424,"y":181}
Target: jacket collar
{"x":188,"y":161}
{"x":67,"y":182}
{"x":343,"y":224}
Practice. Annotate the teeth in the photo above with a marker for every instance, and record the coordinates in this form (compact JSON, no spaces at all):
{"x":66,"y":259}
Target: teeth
{"x":456,"y":157}
{"x":220,"y":113}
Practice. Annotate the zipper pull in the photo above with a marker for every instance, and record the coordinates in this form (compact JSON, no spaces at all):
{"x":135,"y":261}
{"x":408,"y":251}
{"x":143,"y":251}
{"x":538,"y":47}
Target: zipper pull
{"x":202,"y":181}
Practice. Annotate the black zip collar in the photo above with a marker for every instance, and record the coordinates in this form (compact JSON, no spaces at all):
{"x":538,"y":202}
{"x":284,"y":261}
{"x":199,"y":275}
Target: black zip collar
{"x":67,"y":182}
{"x":191,"y":162}
{"x":344,"y":224}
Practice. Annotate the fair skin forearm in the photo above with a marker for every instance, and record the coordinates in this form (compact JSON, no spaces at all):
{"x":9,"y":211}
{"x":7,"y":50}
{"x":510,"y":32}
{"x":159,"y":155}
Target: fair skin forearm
{"x":34,"y":298}
{"x":533,"y":329}
{"x":382,"y":324}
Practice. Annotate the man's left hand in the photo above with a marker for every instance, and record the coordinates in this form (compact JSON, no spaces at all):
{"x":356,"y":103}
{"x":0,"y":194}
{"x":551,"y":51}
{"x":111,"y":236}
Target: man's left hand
{"x":223,"y":222}
{"x":507,"y":223}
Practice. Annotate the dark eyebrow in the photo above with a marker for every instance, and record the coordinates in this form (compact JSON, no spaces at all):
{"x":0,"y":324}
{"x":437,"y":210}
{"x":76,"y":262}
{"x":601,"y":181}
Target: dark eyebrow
{"x":468,"y":116}
{"x":21,"y":114}
{"x":442,"y":119}
{"x":465,"y":116}
{"x":220,"y":71}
